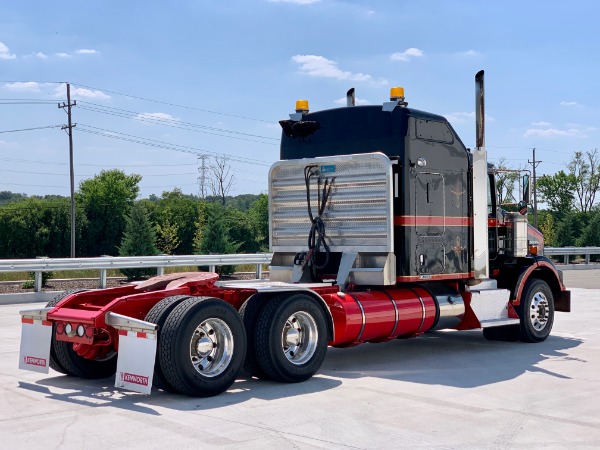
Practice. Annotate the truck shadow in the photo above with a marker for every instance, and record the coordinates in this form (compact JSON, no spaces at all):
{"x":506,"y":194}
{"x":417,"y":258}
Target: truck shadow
{"x":457,"y":359}
{"x":102,"y":393}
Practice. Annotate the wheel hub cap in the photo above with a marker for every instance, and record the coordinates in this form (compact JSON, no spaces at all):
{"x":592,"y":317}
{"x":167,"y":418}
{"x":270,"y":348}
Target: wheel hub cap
{"x":299,"y":337}
{"x":211,"y":347}
{"x":540,"y":309}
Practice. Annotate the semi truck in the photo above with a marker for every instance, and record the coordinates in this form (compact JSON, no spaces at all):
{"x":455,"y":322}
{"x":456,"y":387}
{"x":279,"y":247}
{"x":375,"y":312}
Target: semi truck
{"x":383,"y":225}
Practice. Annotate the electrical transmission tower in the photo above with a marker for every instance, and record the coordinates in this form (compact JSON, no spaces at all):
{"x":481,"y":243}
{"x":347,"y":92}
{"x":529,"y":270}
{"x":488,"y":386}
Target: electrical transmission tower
{"x":203,"y":177}
{"x":69,"y":127}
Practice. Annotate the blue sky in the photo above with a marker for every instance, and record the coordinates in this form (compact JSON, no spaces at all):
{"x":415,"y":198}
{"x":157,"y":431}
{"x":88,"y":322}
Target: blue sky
{"x":159,"y":83}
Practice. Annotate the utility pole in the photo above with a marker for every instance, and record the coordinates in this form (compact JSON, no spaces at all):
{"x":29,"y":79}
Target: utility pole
{"x":534,"y":163}
{"x":69,"y":129}
{"x":203,"y":170}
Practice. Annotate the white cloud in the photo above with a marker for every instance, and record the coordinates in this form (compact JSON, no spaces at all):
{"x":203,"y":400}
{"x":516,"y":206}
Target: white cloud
{"x":465,"y":117}
{"x":156,"y":116}
{"x":296,"y":2}
{"x":77,"y":92}
{"x":23,"y":86}
{"x":5,"y":52}
{"x":319,"y":66}
{"x":358,"y":101}
{"x":87,"y":51}
{"x":580,"y":126}
{"x":541,"y":124}
{"x":469,"y":53}
{"x":554,"y":132}
{"x":407,"y":54}
{"x":63,"y":55}
{"x":38,"y":55}
{"x":563,"y":103}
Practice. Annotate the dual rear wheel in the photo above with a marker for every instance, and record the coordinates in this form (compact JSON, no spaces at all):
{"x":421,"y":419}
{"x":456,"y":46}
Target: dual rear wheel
{"x":203,"y":343}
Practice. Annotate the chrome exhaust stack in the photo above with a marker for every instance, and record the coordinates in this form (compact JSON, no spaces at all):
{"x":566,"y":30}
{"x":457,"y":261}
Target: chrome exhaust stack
{"x":350,"y":97}
{"x":480,"y":188}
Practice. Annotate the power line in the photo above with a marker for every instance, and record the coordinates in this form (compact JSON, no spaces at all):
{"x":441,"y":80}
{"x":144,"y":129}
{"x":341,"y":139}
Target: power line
{"x":31,"y":129}
{"x":174,"y":104}
{"x":150,"y":118}
{"x":161,"y":144}
{"x":91,"y":165}
{"x":190,"y":127}
{"x":34,"y":185}
{"x":91,"y":175}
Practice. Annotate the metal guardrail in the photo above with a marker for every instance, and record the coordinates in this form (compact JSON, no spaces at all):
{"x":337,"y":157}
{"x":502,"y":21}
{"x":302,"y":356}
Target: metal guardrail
{"x":570,"y":251}
{"x":103,"y":263}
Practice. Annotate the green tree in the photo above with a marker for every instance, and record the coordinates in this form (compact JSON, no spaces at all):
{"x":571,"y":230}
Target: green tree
{"x":166,"y":236}
{"x":38,"y":227}
{"x":548,"y":228}
{"x":181,"y":211}
{"x":590,"y":235}
{"x":241,"y":230}
{"x":139,"y":240}
{"x":215,"y":236}
{"x":584,"y":169}
{"x":8,"y":197}
{"x":557,"y":192}
{"x":259,"y":215}
{"x":106,"y":199}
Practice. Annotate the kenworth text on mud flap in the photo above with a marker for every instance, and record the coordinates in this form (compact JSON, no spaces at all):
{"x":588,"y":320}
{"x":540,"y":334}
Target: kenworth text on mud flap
{"x":383,"y":225}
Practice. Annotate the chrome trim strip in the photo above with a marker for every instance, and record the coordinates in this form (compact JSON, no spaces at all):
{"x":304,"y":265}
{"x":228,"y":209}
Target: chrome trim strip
{"x":395,"y":312}
{"x":422,"y":308}
{"x":362,"y":312}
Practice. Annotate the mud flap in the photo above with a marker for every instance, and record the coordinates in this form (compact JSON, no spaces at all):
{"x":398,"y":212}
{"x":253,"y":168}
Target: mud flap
{"x":36,"y":336}
{"x":137,"y":353}
{"x":135,"y":365}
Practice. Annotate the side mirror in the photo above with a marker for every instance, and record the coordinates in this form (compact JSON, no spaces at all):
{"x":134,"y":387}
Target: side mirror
{"x":526,"y":189}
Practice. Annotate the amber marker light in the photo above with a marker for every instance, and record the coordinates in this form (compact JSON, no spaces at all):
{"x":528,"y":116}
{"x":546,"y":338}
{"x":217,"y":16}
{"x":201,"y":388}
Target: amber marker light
{"x":301,"y":106}
{"x":396,"y":93}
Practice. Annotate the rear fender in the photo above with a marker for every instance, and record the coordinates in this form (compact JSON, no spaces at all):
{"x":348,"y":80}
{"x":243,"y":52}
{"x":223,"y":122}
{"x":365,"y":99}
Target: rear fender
{"x":280,"y":295}
{"x":545,"y":270}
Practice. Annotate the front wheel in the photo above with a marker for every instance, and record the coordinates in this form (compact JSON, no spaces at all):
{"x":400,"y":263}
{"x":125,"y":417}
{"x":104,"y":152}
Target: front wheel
{"x":291,"y":338}
{"x":202,"y":347}
{"x":536,"y":311}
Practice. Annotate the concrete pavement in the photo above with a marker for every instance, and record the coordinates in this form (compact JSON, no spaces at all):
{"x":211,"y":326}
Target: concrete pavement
{"x":443,"y":390}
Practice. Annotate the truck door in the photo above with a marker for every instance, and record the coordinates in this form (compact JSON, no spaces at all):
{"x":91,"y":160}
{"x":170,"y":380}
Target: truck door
{"x":430,"y":222}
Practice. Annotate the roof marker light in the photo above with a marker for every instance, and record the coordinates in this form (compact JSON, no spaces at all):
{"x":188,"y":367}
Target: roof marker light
{"x":397,"y":93}
{"x":302,"y":106}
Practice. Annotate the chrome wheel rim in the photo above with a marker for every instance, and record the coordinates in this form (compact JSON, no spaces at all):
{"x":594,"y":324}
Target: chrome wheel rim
{"x":299,"y":337}
{"x":211,"y":347}
{"x":539,"y":312}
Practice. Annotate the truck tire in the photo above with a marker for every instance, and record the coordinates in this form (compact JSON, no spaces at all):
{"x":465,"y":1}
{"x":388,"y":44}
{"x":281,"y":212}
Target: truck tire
{"x":506,"y":333}
{"x":54,"y":364}
{"x":203,"y":346}
{"x":78,"y":366}
{"x":291,"y":338}
{"x":536,"y":311}
{"x":158,"y":315}
{"x":249,"y":313}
